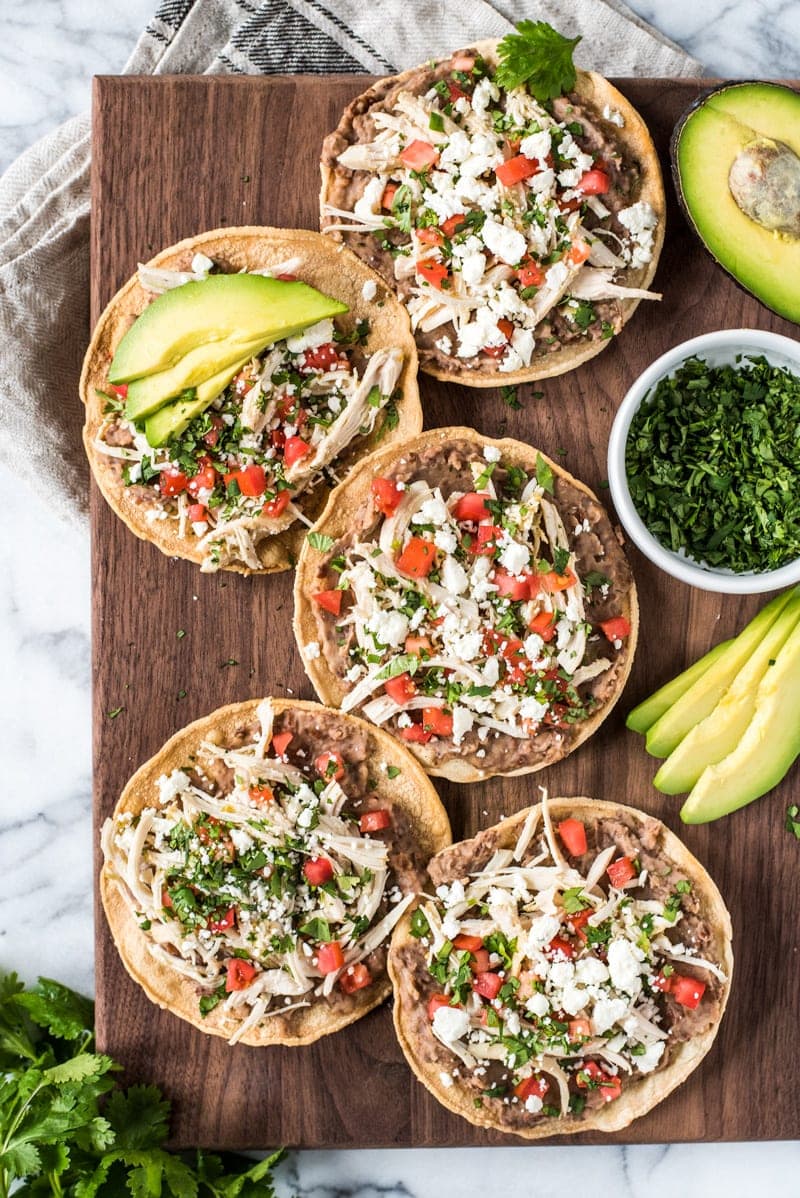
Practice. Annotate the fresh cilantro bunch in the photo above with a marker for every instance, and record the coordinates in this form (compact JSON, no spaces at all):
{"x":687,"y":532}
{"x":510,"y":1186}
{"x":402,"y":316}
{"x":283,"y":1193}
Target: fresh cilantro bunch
{"x":68,"y":1129}
{"x":539,"y":56}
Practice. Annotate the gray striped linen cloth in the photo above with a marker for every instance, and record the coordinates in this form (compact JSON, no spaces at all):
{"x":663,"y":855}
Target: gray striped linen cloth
{"x":44,"y":195}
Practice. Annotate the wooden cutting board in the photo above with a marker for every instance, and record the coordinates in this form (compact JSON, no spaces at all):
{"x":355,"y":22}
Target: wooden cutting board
{"x":172,"y":157}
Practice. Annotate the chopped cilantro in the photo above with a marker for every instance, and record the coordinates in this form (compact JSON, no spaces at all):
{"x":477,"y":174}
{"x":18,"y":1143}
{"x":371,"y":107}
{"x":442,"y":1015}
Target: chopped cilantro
{"x":544,"y":474}
{"x":539,"y":56}
{"x":321,"y":541}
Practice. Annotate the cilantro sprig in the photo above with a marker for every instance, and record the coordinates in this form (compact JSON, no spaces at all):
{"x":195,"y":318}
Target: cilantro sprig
{"x":67,"y":1128}
{"x":539,"y":56}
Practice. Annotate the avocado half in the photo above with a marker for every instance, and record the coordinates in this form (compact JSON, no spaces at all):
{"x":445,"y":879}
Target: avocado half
{"x":760,"y":121}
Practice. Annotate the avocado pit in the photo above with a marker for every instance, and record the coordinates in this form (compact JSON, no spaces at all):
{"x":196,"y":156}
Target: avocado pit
{"x":764,"y":180}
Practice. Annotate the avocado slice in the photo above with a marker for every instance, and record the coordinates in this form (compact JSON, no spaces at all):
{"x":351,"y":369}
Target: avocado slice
{"x":642,"y":717}
{"x":720,"y":732}
{"x":742,"y":123}
{"x":703,"y":695}
{"x":146,"y":395}
{"x":766,"y":751}
{"x":173,"y":418}
{"x":233,"y":309}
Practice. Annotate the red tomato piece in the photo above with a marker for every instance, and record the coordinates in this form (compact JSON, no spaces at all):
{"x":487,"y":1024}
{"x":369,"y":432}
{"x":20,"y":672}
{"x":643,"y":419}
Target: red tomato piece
{"x":579,"y":1028}
{"x":418,"y":155}
{"x":543,"y":624}
{"x":121,"y":389}
{"x":579,"y":252}
{"x":166,"y":900}
{"x":455,"y":92}
{"x":388,"y":195}
{"x":530,"y":274}
{"x":511,"y":587}
{"x":464,"y":63}
{"x":535,"y":1085}
{"x":330,"y":957}
{"x":485,"y":542}
{"x":355,"y":977}
{"x":616,"y":629}
{"x":196,"y":513}
{"x":514,"y":170}
{"x":240,"y":974}
{"x":418,"y":645}
{"x":418,"y":558}
{"x":330,"y":600}
{"x":251,"y":480}
{"x":375,"y":821}
{"x":204,"y":480}
{"x":317,"y":871}
{"x":287,"y":278}
{"x":330,"y":765}
{"x":415,"y":734}
{"x":573,"y":836}
{"x":488,"y":985}
{"x":278,"y":505}
{"x":436,"y":721}
{"x":386,"y":495}
{"x":261,"y":794}
{"x":434,"y":273}
{"x":323,"y":357}
{"x":429,"y":236}
{"x":212,"y":436}
{"x":453,"y":223}
{"x":589,"y":1072}
{"x":558,"y":945}
{"x":550,"y":582}
{"x":223,"y":922}
{"x":687,"y":991}
{"x":280,"y":742}
{"x":467,"y":944}
{"x":172,"y":482}
{"x":480,"y":961}
{"x":661,"y":983}
{"x":294,"y":450}
{"x":439,"y":1000}
{"x":579,"y":921}
{"x":400,"y":688}
{"x":594,"y":183}
{"x":278,"y":438}
{"x":472,"y":506}
{"x":620,"y":871}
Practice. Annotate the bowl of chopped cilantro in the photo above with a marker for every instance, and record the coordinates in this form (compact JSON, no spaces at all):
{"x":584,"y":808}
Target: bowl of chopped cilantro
{"x":704,"y":461}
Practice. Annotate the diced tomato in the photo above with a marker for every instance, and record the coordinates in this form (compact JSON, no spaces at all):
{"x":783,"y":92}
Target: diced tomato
{"x":514,"y":170}
{"x":375,"y":821}
{"x":573,"y":836}
{"x":243,"y":381}
{"x":485,"y":542}
{"x":280,"y":742}
{"x":543,"y":624}
{"x":285,"y":278}
{"x":261,"y":794}
{"x":251,"y":480}
{"x":579,"y":921}
{"x":439,"y":1000}
{"x":558,"y":945}
{"x":509,"y":586}
{"x":330,"y":765}
{"x":172,"y":482}
{"x":418,"y":645}
{"x":437,"y":721}
{"x":621,"y":871}
{"x":323,"y":357}
{"x":616,"y":629}
{"x":212,"y":436}
{"x":530,"y":274}
{"x":534,"y":1086}
{"x":415,"y":734}
{"x":480,"y":961}
{"x":454,"y":92}
{"x":330,"y":600}
{"x":453,"y":223}
{"x":550,"y":582}
{"x":386,"y":495}
{"x":418,"y":558}
{"x":488,"y":985}
{"x":594,"y":183}
{"x":204,"y":480}
{"x":418,"y":155}
{"x":608,"y":1087}
{"x":661,"y":983}
{"x":196,"y":513}
{"x":472,"y":506}
{"x":429,"y":236}
{"x":687,"y":991}
{"x":400,"y":688}
{"x":278,"y":438}
{"x":240,"y":974}
{"x":579,"y":1028}
{"x":497,"y":351}
{"x":579,"y":252}
{"x":330,"y":957}
{"x":121,"y":389}
{"x":166,"y":900}
{"x":355,"y":977}
{"x":467,"y":944}
{"x":388,"y":195}
{"x":434,"y":273}
{"x":317,"y":871}
{"x":223,"y":922}
{"x":295,"y":449}
{"x":464,"y":63}
{"x":278,"y":505}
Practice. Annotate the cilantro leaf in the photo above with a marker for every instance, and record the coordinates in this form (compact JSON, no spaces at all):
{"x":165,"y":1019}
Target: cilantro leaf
{"x":320,"y":540}
{"x":793,"y":820}
{"x":544,"y":475}
{"x":57,"y":1009}
{"x":139,"y":1117}
{"x":404,"y":663}
{"x":539,"y":56}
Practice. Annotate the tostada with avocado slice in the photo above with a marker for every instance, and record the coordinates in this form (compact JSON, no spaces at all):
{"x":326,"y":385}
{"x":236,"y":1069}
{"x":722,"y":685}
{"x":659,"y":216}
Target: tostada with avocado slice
{"x":256,"y":866}
{"x":233,"y":381}
{"x":514,"y":202}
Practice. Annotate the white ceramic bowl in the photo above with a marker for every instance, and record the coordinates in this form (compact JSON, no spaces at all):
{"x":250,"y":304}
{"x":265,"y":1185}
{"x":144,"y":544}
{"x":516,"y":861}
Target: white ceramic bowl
{"x":718,"y":349}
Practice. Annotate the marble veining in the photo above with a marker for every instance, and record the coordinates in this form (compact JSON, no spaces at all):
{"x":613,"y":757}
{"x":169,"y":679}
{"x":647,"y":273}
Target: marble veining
{"x":49,"y":50}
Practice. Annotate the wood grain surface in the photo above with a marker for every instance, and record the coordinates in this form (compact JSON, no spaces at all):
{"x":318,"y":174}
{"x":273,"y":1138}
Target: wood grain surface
{"x":172,"y":157}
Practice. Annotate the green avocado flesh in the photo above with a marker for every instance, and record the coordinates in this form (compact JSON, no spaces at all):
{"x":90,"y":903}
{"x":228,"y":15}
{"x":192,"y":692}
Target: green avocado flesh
{"x":647,"y":712}
{"x":173,"y":418}
{"x":711,"y":139}
{"x":233,"y":310}
{"x":146,"y":395}
{"x":702,"y":696}
{"x":720,"y":732}
{"x":765,"y":752}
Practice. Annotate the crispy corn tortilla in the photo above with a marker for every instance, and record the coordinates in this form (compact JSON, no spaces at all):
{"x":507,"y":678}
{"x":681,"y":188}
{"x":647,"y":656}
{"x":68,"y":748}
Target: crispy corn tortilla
{"x":330,"y":268}
{"x":637,"y":147}
{"x":639,"y":1095}
{"x":343,"y":513}
{"x":410,"y":790}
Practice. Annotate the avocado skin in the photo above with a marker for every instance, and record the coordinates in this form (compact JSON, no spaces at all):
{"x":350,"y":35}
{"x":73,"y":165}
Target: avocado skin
{"x":767,"y":750}
{"x":642,"y":717}
{"x":771,"y":282}
{"x":233,"y":309}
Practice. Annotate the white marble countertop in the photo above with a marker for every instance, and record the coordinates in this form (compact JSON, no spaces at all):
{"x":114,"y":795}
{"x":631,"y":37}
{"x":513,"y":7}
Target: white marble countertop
{"x":48,"y":52}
